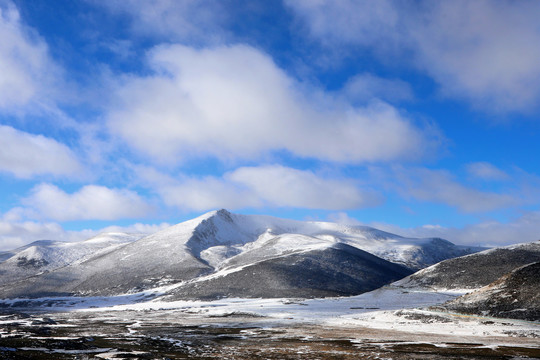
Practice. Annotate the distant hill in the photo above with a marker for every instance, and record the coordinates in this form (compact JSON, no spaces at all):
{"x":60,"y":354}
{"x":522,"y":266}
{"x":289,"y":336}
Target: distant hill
{"x":45,"y":256}
{"x":475,"y":270}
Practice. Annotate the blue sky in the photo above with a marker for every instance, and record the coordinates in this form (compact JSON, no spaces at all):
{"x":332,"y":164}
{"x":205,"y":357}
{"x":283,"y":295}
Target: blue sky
{"x":418,"y":117}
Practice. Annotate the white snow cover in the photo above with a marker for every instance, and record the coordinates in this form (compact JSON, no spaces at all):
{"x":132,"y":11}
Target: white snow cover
{"x":222,"y":238}
{"x":388,"y":308}
{"x":62,"y":253}
{"x":45,"y":255}
{"x":213,"y":244}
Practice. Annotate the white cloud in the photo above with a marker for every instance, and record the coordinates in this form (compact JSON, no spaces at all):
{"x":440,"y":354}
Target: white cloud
{"x":525,"y":228}
{"x":486,"y":171}
{"x":185,"y":20}
{"x":487,"y":51}
{"x":234,"y":102}
{"x":282,"y":186}
{"x":26,"y":155}
{"x":15,"y":233}
{"x":201,"y":194}
{"x":484,"y":51}
{"x":265,"y":186}
{"x":344,"y":218}
{"x":365,"y":87}
{"x":28,"y":74}
{"x":91,"y":202}
{"x":440,"y":186}
{"x":137,"y":228}
{"x":347,"y":21}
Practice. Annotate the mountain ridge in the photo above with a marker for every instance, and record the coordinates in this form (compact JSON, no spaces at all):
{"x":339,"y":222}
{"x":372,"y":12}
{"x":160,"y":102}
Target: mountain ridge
{"x":474,"y":270}
{"x":220,"y":240}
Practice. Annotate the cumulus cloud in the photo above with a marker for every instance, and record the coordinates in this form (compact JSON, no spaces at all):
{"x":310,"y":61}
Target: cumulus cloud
{"x":26,"y":155}
{"x":265,"y":186}
{"x":233,"y":102}
{"x":28,"y":73}
{"x":91,"y":202}
{"x":485,"y":51}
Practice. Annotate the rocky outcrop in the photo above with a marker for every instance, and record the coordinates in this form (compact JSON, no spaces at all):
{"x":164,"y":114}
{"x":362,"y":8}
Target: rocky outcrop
{"x":515,"y":295}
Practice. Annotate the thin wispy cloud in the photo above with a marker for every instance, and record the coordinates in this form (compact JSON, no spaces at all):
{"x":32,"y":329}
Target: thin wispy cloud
{"x":440,"y":186}
{"x":487,"y":171}
{"x":479,"y":51}
{"x":183,"y":21}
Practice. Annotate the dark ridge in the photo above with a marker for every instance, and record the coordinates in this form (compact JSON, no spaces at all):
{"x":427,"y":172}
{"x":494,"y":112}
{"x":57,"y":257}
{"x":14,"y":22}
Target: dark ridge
{"x":515,"y":295}
{"x":477,"y":270}
{"x":341,"y":270}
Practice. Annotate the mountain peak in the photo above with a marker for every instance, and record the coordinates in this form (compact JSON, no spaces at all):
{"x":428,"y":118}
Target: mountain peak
{"x":221,"y":213}
{"x":224,"y":214}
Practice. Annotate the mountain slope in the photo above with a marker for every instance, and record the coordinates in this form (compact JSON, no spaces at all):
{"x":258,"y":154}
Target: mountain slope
{"x":515,"y":295}
{"x":334,"y":270}
{"x":475,"y":270}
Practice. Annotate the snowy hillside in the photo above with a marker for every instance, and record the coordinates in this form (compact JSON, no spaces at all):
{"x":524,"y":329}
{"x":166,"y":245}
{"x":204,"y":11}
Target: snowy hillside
{"x":475,"y":270}
{"x":219,"y":244}
{"x":222,"y":238}
{"x":46,"y":255}
{"x":514,"y":295}
{"x":334,"y":270}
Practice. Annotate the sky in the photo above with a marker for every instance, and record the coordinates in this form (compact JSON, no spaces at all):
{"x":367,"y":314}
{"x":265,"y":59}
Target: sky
{"x":421,"y":118}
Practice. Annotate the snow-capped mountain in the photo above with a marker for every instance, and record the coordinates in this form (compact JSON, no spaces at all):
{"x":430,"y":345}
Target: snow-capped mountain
{"x":46,"y":255}
{"x":219,"y":250}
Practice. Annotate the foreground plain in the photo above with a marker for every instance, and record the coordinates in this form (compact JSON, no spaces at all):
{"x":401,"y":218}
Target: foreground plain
{"x":389,"y":323}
